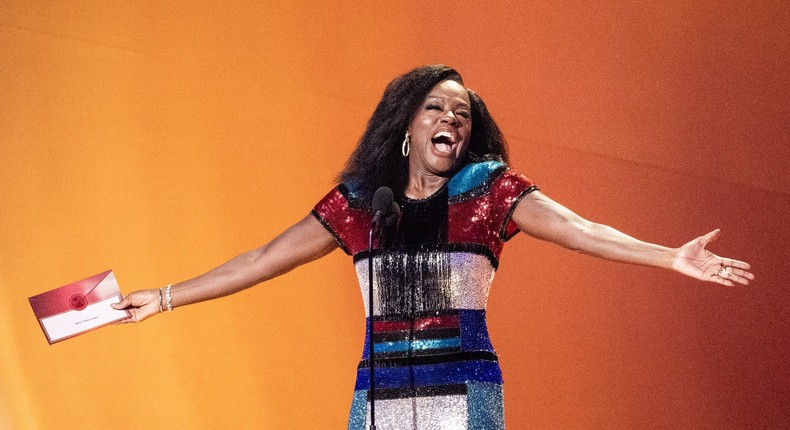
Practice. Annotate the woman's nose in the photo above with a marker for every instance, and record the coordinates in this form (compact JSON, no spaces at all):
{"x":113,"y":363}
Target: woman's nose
{"x":450,"y":118}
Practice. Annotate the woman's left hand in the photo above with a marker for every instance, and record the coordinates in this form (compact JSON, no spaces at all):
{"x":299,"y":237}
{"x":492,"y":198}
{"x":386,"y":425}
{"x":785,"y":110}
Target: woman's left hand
{"x":694,"y":260}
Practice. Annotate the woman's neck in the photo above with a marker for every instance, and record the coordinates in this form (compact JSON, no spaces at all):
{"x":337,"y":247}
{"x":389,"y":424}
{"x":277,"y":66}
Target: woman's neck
{"x":422,"y":185}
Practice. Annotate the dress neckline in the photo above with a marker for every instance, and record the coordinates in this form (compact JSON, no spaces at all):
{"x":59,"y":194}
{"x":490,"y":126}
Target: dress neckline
{"x":407,"y":199}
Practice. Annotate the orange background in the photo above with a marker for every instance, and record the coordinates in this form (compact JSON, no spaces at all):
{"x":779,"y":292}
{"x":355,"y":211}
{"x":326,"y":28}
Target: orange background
{"x":160,"y":140}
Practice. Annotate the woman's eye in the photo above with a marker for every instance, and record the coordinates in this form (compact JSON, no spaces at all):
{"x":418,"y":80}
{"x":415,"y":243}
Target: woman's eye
{"x":464,"y":114}
{"x":433,"y":107}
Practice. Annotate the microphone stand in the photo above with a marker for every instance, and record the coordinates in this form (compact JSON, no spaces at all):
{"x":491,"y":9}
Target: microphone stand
{"x":374,"y":226}
{"x":385,"y":211}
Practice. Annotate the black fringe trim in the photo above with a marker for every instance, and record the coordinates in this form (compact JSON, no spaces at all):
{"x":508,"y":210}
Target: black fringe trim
{"x":423,"y":314}
{"x":472,"y":248}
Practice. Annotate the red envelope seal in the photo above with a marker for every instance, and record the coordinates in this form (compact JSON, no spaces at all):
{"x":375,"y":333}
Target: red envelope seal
{"x":78,"y":302}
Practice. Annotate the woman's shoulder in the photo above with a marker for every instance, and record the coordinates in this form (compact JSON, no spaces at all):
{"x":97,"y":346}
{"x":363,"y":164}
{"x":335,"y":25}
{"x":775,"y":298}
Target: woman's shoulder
{"x":352,"y":192}
{"x":476,"y":176}
{"x":486,"y":177}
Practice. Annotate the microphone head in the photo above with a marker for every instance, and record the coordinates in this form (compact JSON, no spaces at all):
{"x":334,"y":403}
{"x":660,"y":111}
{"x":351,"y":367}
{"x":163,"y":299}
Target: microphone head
{"x":382,"y":200}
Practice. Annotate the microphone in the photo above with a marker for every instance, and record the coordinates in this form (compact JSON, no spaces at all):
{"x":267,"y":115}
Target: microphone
{"x":385,"y":213}
{"x":384,"y":208}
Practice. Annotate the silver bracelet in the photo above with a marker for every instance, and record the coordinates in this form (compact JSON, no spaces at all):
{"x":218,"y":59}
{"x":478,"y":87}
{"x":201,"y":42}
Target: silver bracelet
{"x":169,"y":298}
{"x":161,"y":309}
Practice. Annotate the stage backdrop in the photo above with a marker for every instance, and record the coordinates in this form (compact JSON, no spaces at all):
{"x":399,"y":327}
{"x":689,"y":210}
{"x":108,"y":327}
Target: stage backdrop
{"x":160,"y":139}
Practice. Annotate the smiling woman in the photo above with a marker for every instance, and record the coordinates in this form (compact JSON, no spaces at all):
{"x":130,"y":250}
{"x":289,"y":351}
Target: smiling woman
{"x":439,"y":136}
{"x":433,"y":142}
{"x":406,"y":108}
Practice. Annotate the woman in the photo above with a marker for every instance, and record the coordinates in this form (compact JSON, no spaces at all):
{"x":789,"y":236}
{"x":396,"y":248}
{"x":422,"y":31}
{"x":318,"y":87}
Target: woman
{"x":433,"y":142}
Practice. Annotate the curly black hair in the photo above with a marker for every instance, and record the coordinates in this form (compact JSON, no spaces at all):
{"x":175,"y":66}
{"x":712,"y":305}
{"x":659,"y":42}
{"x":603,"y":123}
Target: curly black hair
{"x":377,"y":161}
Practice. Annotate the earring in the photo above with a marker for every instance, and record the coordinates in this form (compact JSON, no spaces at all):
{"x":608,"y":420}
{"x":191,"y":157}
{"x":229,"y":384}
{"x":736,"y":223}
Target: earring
{"x":405,"y":148}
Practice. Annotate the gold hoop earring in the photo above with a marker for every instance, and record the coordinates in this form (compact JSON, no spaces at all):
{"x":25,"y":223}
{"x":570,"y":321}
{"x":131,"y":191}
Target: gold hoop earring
{"x":405,"y":147}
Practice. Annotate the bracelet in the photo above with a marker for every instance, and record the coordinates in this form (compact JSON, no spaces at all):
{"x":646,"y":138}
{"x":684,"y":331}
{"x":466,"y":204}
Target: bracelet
{"x":161,"y":309}
{"x":169,"y":298}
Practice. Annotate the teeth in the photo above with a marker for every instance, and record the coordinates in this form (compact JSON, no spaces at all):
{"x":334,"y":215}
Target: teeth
{"x":445,"y":134}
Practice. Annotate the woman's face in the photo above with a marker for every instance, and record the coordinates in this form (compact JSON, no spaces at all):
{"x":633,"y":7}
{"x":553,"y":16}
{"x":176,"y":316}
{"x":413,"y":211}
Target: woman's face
{"x":440,"y":130}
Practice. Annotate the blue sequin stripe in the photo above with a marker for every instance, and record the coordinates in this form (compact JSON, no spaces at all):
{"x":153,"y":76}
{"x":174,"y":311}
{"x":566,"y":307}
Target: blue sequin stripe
{"x":417,"y":345}
{"x":474,"y":331}
{"x":474,"y":180}
{"x":435,"y":374}
{"x":473,"y":336}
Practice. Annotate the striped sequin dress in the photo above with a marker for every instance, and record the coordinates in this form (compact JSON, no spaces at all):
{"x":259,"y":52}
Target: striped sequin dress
{"x":435,"y":367}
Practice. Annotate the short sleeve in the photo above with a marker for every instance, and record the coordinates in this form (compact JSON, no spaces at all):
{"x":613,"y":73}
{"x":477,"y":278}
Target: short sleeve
{"x":347,"y":224}
{"x":483,"y":197}
{"x":506,"y":192}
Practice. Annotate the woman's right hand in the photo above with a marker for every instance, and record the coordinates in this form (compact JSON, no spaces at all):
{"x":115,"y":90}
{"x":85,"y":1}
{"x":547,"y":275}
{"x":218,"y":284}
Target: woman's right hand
{"x":140,"y":304}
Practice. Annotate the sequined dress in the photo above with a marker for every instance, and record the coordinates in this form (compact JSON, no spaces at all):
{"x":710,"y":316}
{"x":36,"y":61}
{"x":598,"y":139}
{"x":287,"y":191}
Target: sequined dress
{"x":435,"y":367}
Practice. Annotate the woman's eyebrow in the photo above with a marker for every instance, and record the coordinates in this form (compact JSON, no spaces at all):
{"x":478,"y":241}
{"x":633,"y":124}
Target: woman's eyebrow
{"x":433,"y":96}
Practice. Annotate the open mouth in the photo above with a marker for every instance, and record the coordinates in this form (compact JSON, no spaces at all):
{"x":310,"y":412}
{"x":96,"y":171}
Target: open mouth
{"x":444,"y":141}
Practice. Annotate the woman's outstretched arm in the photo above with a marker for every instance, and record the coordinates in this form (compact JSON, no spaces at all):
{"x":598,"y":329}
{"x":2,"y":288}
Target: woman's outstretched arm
{"x":543,"y":218}
{"x":303,"y":242}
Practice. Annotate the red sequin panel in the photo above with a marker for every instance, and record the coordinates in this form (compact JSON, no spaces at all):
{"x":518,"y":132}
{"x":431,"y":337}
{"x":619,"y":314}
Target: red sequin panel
{"x":424,"y":323}
{"x":507,"y":191}
{"x":480,"y":220}
{"x":348,"y":225}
